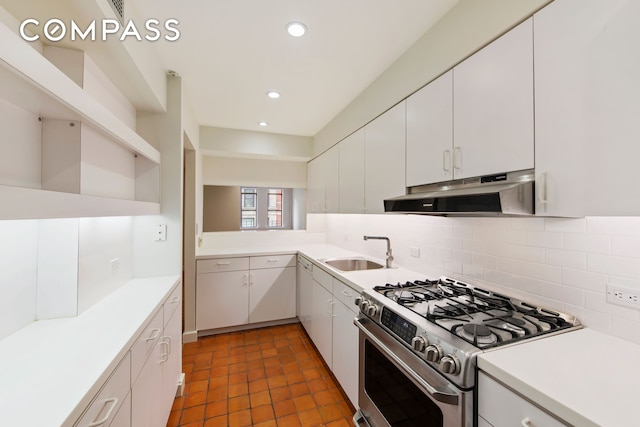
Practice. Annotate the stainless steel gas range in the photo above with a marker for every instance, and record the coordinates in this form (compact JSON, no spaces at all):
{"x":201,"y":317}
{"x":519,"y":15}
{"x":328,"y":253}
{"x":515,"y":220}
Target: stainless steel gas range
{"x":418,"y":347}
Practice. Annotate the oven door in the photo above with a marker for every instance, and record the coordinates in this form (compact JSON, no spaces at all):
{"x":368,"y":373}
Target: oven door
{"x":398,"y":389}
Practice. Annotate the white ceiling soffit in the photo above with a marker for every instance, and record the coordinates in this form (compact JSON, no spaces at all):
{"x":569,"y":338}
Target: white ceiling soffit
{"x":232,"y":52}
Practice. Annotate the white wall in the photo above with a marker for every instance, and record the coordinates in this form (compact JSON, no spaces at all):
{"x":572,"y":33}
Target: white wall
{"x":18,"y":274}
{"x":253,"y":172}
{"x":562,"y":264}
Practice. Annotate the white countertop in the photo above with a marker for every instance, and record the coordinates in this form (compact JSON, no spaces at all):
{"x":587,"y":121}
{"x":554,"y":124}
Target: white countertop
{"x":358,"y":280}
{"x":583,"y":377}
{"x":50,"y":370}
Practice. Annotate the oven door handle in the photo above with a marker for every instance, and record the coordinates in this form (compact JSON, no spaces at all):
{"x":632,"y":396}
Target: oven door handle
{"x":441,"y":396}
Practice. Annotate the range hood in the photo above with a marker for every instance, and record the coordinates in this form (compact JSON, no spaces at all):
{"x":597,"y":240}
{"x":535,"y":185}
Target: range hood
{"x":502,"y":194}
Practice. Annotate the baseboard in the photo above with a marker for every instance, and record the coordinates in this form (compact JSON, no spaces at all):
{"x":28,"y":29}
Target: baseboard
{"x":191,"y":336}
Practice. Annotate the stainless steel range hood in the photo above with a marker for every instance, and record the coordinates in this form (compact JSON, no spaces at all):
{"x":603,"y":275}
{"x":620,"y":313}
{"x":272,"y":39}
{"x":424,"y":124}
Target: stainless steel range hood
{"x":502,"y":194}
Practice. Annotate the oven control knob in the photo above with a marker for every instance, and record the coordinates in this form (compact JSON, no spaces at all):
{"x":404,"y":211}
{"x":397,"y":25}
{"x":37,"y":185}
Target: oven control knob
{"x":419,"y":343}
{"x":434,"y":353}
{"x":357,"y":301}
{"x":363,"y":306}
{"x":450,"y":364}
{"x":372,"y":310}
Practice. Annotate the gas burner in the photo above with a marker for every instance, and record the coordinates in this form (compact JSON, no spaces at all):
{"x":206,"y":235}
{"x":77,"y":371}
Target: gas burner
{"x":476,"y":333}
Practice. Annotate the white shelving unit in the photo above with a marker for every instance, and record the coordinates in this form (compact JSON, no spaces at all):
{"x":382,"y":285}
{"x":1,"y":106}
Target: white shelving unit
{"x":95,"y":181}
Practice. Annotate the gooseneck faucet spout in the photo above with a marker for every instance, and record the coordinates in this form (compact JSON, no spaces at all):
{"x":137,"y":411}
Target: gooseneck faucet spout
{"x":389,"y":254}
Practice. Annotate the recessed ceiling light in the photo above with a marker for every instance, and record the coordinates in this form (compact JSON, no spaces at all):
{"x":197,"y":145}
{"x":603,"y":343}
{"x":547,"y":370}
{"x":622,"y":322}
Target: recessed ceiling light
{"x":296,"y":29}
{"x":273,"y":94}
{"x":263,"y":124}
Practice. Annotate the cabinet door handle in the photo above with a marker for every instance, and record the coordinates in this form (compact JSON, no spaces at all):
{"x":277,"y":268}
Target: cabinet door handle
{"x":175,"y":300}
{"x":114,"y":402}
{"x":155,"y":333}
{"x":329,"y":307}
{"x":250,"y":279}
{"x":446,"y":160}
{"x":168,"y":342}
{"x":542,"y":189}
{"x":245,"y":279}
{"x":457,"y":158}
{"x":165,"y":354}
{"x":526,"y":422}
{"x":333,"y":308}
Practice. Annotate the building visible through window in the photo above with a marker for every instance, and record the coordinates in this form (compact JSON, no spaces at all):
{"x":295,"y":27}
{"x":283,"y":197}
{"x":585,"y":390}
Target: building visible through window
{"x":274,"y":208}
{"x":249,"y":200}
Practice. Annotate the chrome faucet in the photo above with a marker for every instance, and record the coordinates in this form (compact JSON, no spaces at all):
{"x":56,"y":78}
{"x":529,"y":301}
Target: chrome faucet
{"x":389,"y":255}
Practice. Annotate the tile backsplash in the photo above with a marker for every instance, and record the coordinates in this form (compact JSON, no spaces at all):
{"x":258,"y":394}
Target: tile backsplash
{"x":562,"y":264}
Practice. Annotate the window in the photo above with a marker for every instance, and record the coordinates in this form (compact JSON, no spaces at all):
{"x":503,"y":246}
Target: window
{"x":265,"y":208}
{"x":249,"y":212}
{"x":274,"y":208}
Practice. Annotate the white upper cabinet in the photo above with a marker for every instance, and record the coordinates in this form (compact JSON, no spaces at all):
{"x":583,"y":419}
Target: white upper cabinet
{"x":493,"y":107}
{"x":323,"y":182}
{"x":384,"y":158}
{"x":66,"y":154}
{"x":587,"y":107}
{"x":430,"y":132}
{"x":351,"y":173}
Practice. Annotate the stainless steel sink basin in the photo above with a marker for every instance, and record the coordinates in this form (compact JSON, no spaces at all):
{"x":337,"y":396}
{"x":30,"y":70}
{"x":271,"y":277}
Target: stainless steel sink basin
{"x":352,"y":264}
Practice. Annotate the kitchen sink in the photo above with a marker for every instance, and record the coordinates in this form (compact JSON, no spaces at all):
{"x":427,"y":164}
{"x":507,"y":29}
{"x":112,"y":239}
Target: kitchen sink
{"x":352,"y":264}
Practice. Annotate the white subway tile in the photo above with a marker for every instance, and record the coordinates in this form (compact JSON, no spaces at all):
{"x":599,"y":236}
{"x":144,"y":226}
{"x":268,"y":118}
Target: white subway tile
{"x":595,"y":243}
{"x":615,"y":266}
{"x":570,"y":259}
{"x":545,"y":239}
{"x":625,"y":246}
{"x":485,"y":261}
{"x":528,"y":224}
{"x":475,"y":246}
{"x":473,"y":271}
{"x":548,"y":273}
{"x":523,"y":253}
{"x":565,"y":294}
{"x":586,"y":280}
{"x":570,"y":225}
{"x":512,"y":281}
{"x":463,"y":257}
{"x":621,"y":226}
{"x":625,"y":282}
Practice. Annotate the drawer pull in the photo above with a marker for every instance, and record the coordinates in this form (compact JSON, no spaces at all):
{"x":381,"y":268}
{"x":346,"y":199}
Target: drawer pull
{"x":114,"y":402}
{"x":273,"y":260}
{"x":155,"y":333}
{"x":224,"y":262}
{"x":526,"y":422}
{"x":345,"y":293}
{"x":175,"y":300}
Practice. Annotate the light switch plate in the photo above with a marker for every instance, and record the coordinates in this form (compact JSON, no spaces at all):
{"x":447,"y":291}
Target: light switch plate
{"x":414,"y":252}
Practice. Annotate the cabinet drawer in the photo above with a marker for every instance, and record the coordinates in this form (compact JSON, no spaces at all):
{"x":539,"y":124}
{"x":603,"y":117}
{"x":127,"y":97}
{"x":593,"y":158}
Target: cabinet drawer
{"x":105,"y":406}
{"x":143,"y":346}
{"x":222,"y":264}
{"x":173,"y":302}
{"x":324,"y":278}
{"x":501,"y":407}
{"x":272,"y":261}
{"x":346,"y":294}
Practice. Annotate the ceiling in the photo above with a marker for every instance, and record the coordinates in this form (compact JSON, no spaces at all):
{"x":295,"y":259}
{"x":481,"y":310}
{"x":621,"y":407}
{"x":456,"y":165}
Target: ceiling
{"x":231,"y":52}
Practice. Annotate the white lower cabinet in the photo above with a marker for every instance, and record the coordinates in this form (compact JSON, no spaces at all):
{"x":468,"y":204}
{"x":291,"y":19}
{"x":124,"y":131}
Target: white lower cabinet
{"x":500,"y":407}
{"x":332,"y":329}
{"x":321,"y":321}
{"x":257,"y":289}
{"x":155,"y":387}
{"x":109,"y":401}
{"x":304,"y":289}
{"x":141,"y":389}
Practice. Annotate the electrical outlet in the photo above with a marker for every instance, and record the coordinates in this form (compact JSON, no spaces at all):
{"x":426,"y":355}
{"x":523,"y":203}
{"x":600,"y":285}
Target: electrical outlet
{"x":115,"y":264}
{"x":161,"y":232}
{"x":414,"y":252}
{"x":623,"y":296}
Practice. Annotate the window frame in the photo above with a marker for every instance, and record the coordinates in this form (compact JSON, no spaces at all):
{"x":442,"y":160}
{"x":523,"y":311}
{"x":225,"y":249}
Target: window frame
{"x":263,"y":209}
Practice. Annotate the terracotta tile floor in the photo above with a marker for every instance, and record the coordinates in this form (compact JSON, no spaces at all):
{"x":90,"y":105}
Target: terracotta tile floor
{"x":262,"y":377}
